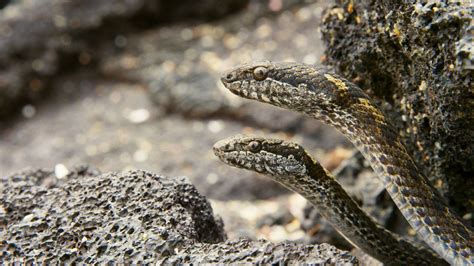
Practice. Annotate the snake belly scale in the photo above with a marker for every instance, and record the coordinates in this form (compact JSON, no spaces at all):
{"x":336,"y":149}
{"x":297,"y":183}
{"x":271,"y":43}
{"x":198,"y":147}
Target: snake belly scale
{"x":326,"y":96}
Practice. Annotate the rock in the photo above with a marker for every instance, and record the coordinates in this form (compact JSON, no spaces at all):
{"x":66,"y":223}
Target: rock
{"x":136,"y":217}
{"x":416,"y":58}
{"x":280,"y":217}
{"x":319,"y":230}
{"x":91,"y":218}
{"x":43,"y":39}
{"x":183,"y":72}
{"x":261,"y":252}
{"x":4,"y":3}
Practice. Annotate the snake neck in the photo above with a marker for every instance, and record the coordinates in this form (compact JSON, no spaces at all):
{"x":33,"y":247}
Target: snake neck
{"x":352,"y":222}
{"x":420,"y":203}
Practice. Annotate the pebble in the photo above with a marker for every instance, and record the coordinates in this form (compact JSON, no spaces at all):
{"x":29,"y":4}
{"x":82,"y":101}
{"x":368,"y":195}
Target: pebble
{"x":28,"y":111}
{"x":140,"y":155}
{"x":60,"y":171}
{"x":138,"y":116}
{"x":215,"y":126}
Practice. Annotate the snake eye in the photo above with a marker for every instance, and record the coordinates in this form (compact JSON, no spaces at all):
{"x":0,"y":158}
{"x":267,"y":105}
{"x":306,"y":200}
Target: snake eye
{"x":260,"y":73}
{"x":254,"y":146}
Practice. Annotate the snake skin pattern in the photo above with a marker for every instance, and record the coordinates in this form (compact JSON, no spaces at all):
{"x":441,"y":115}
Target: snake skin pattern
{"x":290,"y":165}
{"x":328,"y":97}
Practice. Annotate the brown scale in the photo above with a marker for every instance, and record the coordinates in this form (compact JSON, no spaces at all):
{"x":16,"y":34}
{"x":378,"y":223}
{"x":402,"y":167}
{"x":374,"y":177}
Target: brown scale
{"x":337,"y":101}
{"x":322,"y":190}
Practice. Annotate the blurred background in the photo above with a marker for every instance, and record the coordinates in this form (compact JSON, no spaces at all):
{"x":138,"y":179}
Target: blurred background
{"x":125,"y":85}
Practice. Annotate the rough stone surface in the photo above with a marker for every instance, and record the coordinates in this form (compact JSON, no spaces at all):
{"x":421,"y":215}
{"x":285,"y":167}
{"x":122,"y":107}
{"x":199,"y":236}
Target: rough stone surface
{"x":417,"y":59}
{"x":93,"y":218}
{"x":137,"y":217}
{"x":262,"y":252}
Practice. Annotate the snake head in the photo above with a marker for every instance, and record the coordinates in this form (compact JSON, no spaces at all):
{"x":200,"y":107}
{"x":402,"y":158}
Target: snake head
{"x":294,"y":86}
{"x":267,"y":156}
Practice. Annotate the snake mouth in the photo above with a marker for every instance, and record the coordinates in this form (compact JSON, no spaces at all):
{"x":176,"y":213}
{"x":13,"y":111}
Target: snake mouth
{"x":224,"y":81}
{"x":234,"y":86}
{"x":217,"y":149}
{"x":222,"y":148}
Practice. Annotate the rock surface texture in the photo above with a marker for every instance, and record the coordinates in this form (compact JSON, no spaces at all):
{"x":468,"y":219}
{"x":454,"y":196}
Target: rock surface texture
{"x":136,"y":217}
{"x":262,"y":252}
{"x":417,"y":59}
{"x":93,"y":218}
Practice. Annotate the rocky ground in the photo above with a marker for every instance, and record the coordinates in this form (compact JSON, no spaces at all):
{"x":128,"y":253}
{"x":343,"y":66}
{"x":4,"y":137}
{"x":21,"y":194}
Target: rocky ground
{"x":156,"y":104}
{"x":138,"y":216}
{"x":152,"y":100}
{"x":135,"y":88}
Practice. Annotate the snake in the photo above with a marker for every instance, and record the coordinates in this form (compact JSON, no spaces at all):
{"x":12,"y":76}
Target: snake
{"x":290,"y":165}
{"x":326,"y":96}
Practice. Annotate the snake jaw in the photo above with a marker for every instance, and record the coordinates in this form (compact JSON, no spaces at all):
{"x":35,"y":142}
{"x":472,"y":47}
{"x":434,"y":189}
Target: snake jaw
{"x":279,"y":86}
{"x":266,"y":156}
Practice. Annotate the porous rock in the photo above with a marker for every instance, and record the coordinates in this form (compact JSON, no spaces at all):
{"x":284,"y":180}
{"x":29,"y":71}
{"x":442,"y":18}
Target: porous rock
{"x":135,"y":217}
{"x":91,"y":218}
{"x":262,"y":252}
{"x":416,"y":58}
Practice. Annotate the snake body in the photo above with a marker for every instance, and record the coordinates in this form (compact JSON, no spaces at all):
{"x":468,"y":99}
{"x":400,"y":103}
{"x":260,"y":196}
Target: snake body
{"x":326,"y":96}
{"x":290,"y":165}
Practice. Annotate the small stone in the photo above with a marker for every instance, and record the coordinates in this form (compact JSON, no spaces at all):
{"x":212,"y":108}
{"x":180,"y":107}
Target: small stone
{"x":140,"y":156}
{"x":28,"y":111}
{"x":138,"y":116}
{"x":212,"y":178}
{"x":215,"y":126}
{"x":60,"y":171}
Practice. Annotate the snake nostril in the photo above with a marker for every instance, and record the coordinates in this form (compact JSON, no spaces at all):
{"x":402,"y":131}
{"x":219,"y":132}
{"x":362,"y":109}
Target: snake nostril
{"x":229,"y":76}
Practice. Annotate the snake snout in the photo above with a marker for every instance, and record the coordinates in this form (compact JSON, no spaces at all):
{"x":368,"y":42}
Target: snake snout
{"x":217,"y":148}
{"x":221,"y":147}
{"x":224,"y":80}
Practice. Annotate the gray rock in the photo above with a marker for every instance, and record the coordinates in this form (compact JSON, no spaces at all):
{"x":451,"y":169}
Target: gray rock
{"x":90,"y":218}
{"x":416,"y":58}
{"x":41,"y":39}
{"x":181,"y":65}
{"x":262,"y":252}
{"x":137,"y":217}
